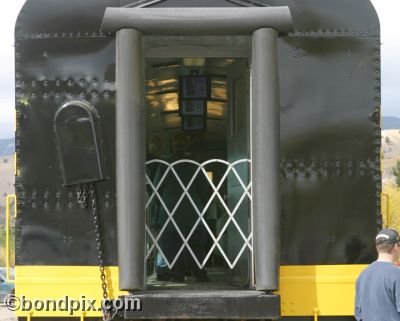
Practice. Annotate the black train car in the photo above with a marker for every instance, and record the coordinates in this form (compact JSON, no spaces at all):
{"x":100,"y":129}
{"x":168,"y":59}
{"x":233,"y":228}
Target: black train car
{"x":257,"y":123}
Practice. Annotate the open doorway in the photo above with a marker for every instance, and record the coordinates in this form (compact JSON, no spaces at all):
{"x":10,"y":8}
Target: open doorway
{"x":198,"y":217}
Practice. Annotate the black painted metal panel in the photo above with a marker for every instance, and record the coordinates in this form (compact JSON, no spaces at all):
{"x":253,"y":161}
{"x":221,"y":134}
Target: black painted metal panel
{"x":330,"y":148}
{"x":239,"y":305}
{"x":52,"y":228}
{"x":330,"y":89}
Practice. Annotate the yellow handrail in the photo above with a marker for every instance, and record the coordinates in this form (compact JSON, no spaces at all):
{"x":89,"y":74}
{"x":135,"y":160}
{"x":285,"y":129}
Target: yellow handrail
{"x":316,"y":310}
{"x":8,"y":234}
{"x":388,"y":218}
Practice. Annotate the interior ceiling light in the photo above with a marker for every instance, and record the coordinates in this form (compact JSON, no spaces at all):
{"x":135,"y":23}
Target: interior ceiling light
{"x":194,"y":62}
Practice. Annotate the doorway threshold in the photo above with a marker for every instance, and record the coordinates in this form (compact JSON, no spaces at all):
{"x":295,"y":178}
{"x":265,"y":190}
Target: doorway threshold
{"x":205,"y":304}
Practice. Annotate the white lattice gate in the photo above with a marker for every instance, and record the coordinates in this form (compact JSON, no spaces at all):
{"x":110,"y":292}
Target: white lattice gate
{"x":156,"y":193}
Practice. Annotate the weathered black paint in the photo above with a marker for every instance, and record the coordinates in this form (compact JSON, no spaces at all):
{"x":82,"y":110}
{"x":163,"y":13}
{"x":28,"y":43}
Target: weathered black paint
{"x":330,"y":160}
{"x":226,"y":304}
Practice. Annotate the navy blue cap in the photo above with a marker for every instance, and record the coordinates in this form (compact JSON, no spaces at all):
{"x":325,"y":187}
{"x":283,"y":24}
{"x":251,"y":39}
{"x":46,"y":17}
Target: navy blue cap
{"x":387,"y":236}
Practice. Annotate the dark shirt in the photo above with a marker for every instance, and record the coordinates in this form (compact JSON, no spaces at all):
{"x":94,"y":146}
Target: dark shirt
{"x":378,"y":293}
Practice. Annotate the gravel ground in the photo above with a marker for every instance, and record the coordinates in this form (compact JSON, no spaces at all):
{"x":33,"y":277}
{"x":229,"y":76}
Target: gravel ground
{"x":6,"y":315}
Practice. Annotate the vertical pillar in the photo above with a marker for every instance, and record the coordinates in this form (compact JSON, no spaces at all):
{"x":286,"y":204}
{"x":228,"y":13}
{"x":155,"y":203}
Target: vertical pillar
{"x":265,"y":118}
{"x":130,"y":159}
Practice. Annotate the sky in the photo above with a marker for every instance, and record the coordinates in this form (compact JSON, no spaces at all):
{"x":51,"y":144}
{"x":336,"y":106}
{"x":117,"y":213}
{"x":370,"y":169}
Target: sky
{"x":387,"y":11}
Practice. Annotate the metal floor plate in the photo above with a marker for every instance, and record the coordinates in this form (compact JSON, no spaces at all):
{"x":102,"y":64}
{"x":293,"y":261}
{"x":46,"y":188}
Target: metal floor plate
{"x":240,"y":304}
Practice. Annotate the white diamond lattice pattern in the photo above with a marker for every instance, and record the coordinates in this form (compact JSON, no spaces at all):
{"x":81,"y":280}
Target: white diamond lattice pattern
{"x":154,"y":244}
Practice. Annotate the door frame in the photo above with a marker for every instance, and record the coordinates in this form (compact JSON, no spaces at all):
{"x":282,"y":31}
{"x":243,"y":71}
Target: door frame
{"x":263,"y":24}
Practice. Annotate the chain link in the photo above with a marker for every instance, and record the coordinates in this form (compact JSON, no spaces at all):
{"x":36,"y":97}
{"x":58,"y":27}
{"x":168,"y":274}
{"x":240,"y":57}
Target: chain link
{"x":99,"y":238}
{"x":84,"y":197}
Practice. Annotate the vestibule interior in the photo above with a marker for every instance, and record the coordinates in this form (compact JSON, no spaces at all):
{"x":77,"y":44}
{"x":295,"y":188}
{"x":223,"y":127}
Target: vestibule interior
{"x":197,"y":125}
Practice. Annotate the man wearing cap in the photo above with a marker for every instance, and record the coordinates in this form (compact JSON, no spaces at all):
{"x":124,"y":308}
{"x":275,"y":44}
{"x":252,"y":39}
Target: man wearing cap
{"x":378,"y":286}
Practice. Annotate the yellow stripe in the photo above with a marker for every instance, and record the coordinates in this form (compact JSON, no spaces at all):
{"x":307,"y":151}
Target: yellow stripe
{"x":327,"y":289}
{"x":56,"y":282}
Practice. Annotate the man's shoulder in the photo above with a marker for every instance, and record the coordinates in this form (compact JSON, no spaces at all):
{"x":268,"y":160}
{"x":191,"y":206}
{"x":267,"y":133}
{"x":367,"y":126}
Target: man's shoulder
{"x":376,"y":267}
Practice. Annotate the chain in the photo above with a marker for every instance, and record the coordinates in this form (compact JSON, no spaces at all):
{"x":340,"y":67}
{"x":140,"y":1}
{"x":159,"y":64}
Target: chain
{"x":84,"y":197}
{"x":99,"y":238}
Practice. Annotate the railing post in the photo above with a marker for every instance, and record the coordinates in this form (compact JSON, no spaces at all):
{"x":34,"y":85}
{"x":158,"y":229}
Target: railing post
{"x":8,"y":227}
{"x":265,"y":141}
{"x":130,"y":159}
